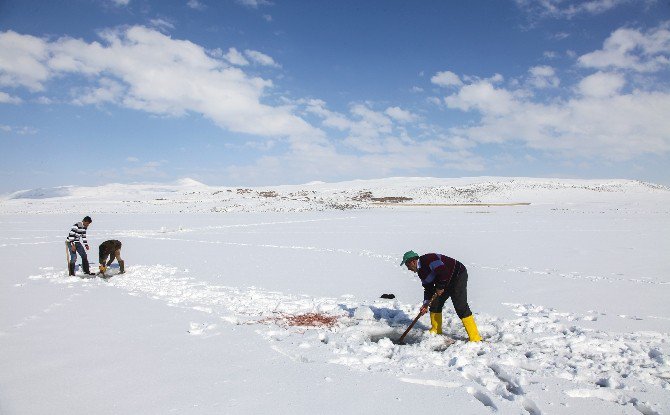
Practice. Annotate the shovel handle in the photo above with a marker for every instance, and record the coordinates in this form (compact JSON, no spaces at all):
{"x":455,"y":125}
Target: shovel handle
{"x":416,"y":319}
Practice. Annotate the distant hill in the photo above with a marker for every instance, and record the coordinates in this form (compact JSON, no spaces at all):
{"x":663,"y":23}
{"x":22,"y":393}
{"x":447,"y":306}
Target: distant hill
{"x":188,"y":195}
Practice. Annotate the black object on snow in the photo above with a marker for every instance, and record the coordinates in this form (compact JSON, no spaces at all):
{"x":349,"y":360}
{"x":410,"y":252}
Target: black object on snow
{"x":389,"y":296}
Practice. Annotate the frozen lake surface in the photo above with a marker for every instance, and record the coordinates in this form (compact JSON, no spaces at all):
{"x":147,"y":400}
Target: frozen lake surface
{"x":570,"y":294}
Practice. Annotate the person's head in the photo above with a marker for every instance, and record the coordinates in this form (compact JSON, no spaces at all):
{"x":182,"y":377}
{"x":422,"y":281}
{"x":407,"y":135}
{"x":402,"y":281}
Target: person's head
{"x":87,"y":221}
{"x":410,"y":260}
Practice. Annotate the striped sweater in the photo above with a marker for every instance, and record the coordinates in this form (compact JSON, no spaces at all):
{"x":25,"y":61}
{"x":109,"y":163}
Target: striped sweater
{"x":77,"y":234}
{"x":435,"y":271}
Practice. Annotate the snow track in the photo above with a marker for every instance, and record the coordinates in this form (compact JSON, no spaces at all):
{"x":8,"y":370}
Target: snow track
{"x":521,"y":359}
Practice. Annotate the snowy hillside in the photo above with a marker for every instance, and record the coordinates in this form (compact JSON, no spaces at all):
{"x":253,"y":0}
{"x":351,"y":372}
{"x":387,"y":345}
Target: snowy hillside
{"x":190,"y":196}
{"x":267,"y":300}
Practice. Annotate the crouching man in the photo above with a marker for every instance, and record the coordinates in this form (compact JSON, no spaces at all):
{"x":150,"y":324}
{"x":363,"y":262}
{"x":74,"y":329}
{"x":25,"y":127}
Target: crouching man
{"x":111,"y":249}
{"x":446,"y":278}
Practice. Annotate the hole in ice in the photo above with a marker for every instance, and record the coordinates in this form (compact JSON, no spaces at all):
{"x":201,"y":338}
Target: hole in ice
{"x":394,"y":336}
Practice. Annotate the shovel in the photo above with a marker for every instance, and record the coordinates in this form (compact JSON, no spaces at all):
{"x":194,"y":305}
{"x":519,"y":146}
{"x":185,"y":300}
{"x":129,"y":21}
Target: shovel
{"x":402,"y":338}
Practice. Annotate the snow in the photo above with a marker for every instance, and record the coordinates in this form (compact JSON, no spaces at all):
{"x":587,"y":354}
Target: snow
{"x":569,"y":291}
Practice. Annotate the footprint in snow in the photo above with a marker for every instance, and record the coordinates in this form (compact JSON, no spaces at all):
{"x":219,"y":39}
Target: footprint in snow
{"x":202,"y":329}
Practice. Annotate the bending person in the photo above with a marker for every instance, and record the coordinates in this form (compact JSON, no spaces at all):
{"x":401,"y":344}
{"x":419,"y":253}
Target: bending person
{"x":445,"y":277}
{"x":111,"y":249}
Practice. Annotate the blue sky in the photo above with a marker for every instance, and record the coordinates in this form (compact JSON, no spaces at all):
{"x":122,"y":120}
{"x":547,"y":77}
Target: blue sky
{"x":254,"y":92}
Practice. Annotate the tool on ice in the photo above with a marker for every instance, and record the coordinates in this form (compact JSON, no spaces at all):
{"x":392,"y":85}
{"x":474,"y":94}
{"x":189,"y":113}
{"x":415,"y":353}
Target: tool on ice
{"x":402,"y":338}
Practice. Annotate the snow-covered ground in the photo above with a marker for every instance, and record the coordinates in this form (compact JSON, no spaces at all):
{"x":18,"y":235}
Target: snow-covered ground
{"x":569,"y":291}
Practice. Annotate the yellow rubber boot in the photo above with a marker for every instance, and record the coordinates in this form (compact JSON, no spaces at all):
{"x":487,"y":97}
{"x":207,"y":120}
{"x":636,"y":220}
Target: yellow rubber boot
{"x":471,"y":328}
{"x":435,"y":323}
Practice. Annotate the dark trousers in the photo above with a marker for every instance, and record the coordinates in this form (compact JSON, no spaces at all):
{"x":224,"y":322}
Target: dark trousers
{"x":457,"y":289}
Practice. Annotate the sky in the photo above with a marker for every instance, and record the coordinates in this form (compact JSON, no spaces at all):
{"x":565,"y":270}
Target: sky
{"x":259,"y":92}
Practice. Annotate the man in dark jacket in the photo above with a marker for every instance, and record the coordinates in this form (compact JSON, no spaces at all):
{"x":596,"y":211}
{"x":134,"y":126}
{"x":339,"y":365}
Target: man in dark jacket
{"x":444,"y":277}
{"x":76,"y":242}
{"x":111,"y":249}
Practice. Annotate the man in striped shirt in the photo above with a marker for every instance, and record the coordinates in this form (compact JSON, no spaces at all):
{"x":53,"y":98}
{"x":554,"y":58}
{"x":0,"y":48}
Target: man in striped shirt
{"x":76,"y":242}
{"x":442,"y":277}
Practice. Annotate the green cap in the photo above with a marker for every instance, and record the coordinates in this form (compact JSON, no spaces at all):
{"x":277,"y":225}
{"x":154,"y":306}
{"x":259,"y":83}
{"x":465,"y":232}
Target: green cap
{"x":408,"y":255}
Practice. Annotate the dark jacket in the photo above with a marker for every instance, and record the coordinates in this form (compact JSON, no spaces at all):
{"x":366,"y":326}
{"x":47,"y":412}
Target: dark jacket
{"x":108,"y":248}
{"x":436,"y":271}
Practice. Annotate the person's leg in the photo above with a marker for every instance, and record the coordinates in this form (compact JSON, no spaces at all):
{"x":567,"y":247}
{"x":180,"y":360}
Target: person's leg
{"x":436,"y":313}
{"x":73,"y":259}
{"x":73,"y":254}
{"x":459,"y":297}
{"x":117,"y":255}
{"x":458,"y":290}
{"x":84,"y":258}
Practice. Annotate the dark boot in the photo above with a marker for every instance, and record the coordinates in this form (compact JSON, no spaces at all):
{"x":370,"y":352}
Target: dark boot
{"x":70,"y":268}
{"x":122,"y":266}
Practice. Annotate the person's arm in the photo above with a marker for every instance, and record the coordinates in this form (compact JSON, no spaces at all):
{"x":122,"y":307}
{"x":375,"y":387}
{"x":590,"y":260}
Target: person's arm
{"x":83,"y":239}
{"x":428,"y":292}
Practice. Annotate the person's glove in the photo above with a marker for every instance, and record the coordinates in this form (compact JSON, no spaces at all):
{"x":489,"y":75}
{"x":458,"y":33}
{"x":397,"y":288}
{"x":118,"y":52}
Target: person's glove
{"x":87,"y":247}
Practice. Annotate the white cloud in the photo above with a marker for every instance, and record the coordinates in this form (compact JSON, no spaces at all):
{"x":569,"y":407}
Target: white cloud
{"x":632,"y":50}
{"x":132,"y":159}
{"x":254,"y":3}
{"x":601,"y":85}
{"x":5,"y":98}
{"x":25,"y":130}
{"x":143,"y":69}
{"x":44,"y":100}
{"x":267,"y":17}
{"x":196,"y":5}
{"x":108,"y":90}
{"x":22,"y":61}
{"x":446,"y":78}
{"x":543,"y":77}
{"x":261,"y":58}
{"x":482,"y":96}
{"x":235,"y":57}
{"x":400,"y":114}
{"x":161,"y":24}
{"x":600,"y":121}
{"x":567,"y":9}
{"x":120,"y":3}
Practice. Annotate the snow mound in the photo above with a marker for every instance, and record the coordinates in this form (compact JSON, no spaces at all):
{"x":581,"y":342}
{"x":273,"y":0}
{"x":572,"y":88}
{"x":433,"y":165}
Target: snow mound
{"x":191,"y":196}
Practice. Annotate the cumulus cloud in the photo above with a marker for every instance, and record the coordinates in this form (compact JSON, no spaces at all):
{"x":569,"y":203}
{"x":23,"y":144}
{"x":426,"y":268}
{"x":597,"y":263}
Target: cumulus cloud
{"x":400,"y":114}
{"x":5,"y":98}
{"x":616,"y":113}
{"x":22,"y":61}
{"x":601,"y":85}
{"x":631,"y":49}
{"x":484,"y":97}
{"x":446,"y":78}
{"x":543,"y":77}
{"x":600,"y":121}
{"x":236,"y":57}
{"x":261,"y":58}
{"x":143,"y":69}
